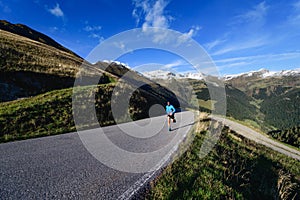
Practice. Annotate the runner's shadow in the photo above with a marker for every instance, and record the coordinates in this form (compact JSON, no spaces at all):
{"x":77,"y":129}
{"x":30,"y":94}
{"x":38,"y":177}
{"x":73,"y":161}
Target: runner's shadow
{"x":183,"y":126}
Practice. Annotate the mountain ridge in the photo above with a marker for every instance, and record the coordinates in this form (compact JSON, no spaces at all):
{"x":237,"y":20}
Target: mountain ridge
{"x":262,"y":73}
{"x":161,"y":74}
{"x":25,"y":31}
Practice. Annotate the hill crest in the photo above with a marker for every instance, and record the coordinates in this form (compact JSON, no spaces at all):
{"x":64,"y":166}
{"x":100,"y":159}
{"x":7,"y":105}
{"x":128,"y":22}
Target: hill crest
{"x":25,"y":31}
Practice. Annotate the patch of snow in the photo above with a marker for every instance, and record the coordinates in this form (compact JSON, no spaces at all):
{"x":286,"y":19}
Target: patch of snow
{"x":116,"y":62}
{"x":161,"y":74}
{"x":263,"y":73}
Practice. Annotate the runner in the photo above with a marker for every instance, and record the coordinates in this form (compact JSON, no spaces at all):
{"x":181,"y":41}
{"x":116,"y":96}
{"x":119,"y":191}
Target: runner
{"x":170,"y":110}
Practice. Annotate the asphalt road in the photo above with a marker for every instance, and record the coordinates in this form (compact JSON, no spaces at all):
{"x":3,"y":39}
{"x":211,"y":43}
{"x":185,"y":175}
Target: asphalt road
{"x":61,"y":167}
{"x":259,"y":138}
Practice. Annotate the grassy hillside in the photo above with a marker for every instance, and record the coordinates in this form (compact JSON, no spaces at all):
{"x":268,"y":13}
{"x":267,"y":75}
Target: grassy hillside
{"x":29,"y":67}
{"x":283,"y":111}
{"x":276,"y":98}
{"x":25,"y":31}
{"x":272,"y":108}
{"x":45,"y":114}
{"x":238,"y":103}
{"x":23,"y":54}
{"x":261,"y":88}
{"x":236,"y":168}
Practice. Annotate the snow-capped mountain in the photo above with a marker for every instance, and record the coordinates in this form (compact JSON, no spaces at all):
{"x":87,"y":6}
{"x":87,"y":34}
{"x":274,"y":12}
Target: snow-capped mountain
{"x":160,"y":74}
{"x":264,"y":73}
{"x":117,"y":63}
{"x":294,"y":72}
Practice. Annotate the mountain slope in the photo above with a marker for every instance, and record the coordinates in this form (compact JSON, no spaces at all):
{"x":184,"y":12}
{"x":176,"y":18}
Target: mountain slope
{"x":157,"y":91}
{"x":238,"y":103}
{"x":261,"y":87}
{"x":160,"y":74}
{"x":263,"y":73}
{"x":283,"y":111}
{"x":277,"y":97}
{"x":29,"y":67}
{"x":25,"y":31}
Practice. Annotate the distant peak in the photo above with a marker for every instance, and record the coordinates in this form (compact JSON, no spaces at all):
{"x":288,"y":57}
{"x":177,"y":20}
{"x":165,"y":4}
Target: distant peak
{"x":264,"y":73}
{"x":117,"y":63}
{"x":161,"y":74}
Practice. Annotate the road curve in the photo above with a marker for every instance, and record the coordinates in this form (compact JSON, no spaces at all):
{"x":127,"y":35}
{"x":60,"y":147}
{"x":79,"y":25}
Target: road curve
{"x":60,"y":167}
{"x":258,"y":138}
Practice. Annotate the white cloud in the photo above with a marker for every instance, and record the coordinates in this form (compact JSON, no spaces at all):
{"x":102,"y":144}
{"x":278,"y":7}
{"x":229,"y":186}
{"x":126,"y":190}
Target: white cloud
{"x":152,"y":13}
{"x":56,"y":11}
{"x":93,"y":31}
{"x":237,"y":64}
{"x":294,"y":18}
{"x":246,"y":32}
{"x":257,"y":14}
{"x":251,"y":43}
{"x":280,"y":56}
{"x":256,"y":59}
{"x":214,"y":43}
{"x":97,"y":36}
{"x":176,"y":63}
{"x":191,"y":33}
{"x":89,"y":28}
{"x":140,"y":7}
{"x":120,"y":45}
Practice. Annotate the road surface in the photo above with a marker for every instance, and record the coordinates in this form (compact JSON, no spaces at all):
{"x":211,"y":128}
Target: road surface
{"x":259,"y":138}
{"x":60,"y":167}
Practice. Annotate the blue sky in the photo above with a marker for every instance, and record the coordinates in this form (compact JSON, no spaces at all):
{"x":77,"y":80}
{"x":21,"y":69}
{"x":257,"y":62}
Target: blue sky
{"x":239,"y":35}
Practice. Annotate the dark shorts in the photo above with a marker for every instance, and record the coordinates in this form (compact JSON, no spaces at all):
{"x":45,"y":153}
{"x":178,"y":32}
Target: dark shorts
{"x":171,"y":116}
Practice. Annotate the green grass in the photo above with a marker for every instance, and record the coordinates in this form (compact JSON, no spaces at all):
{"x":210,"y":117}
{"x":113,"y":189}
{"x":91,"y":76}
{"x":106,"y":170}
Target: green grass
{"x":22,"y":54}
{"x":49,"y":113}
{"x":29,"y":67}
{"x":236,"y":168}
{"x":209,"y":104}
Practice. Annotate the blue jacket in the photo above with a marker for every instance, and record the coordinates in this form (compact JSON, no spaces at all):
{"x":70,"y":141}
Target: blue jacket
{"x":170,"y":109}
